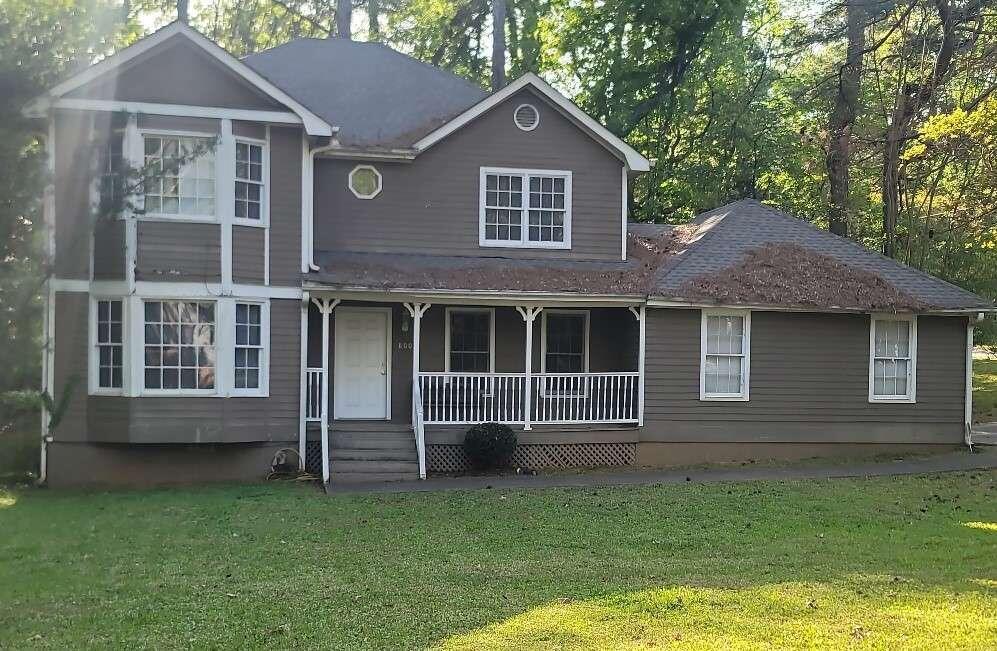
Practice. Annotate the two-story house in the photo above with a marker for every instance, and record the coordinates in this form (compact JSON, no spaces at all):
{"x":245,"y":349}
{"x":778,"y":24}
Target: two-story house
{"x":342,"y":251}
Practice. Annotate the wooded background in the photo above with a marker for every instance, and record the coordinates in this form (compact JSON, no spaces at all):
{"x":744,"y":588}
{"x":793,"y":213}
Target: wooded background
{"x":875,"y":119}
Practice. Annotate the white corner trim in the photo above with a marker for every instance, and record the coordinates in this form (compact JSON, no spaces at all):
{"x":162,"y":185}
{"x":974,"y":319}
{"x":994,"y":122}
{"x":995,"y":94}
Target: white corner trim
{"x":377,"y":190}
{"x":911,"y":396}
{"x":626,"y":210}
{"x":225,"y":198}
{"x":543,"y":334}
{"x":523,"y":242}
{"x":490,"y":311}
{"x":312,"y":123}
{"x":746,"y":357}
{"x":634,"y":160}
{"x":265,"y":208}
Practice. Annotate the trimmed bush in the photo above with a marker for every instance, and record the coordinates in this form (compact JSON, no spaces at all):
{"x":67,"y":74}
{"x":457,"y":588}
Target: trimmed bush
{"x":489,"y":446}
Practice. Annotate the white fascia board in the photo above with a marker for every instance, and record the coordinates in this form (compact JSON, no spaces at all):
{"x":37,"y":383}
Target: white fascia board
{"x":183,"y":110}
{"x":313,"y":124}
{"x":634,"y":160}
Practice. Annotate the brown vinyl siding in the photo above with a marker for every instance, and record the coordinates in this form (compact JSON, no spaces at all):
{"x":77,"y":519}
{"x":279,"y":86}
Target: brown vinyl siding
{"x":73,"y":172}
{"x":179,"y":251}
{"x":431,"y":204}
{"x":248,"y":254}
{"x":285,"y":206}
{"x":109,"y":250}
{"x":252,"y":130}
{"x":178,"y":123}
{"x":177,"y":72}
{"x":809,"y":383}
{"x":72,"y":345}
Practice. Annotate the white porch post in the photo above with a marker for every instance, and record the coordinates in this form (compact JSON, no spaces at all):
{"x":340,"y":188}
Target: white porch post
{"x":641,"y":315}
{"x":303,"y":398}
{"x":325,"y":306}
{"x":529,"y":315}
{"x":416,"y":310}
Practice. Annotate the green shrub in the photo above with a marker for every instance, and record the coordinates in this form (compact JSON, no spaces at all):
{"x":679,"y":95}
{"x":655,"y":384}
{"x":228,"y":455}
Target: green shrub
{"x":489,"y":445}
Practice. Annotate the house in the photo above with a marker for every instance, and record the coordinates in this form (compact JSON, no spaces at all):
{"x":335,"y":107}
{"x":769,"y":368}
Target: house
{"x":347,"y":254}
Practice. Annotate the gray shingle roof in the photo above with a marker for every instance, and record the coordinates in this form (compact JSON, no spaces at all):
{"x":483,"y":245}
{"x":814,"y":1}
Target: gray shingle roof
{"x":727,"y":234}
{"x":379,"y":97}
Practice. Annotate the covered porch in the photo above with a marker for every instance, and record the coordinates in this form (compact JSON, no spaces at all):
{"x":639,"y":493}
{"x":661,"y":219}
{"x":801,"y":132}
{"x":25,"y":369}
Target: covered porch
{"x":556,"y":369}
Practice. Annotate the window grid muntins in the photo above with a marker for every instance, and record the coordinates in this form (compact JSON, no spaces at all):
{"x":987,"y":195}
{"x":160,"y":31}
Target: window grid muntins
{"x":530,"y":208}
{"x":248,"y":345}
{"x":110,"y":351}
{"x":470,"y":342}
{"x":248,"y":180}
{"x":111,"y":182}
{"x":180,"y":176}
{"x":565,"y":345}
{"x":724,"y":355}
{"x":179,"y":345}
{"x":892,"y":359}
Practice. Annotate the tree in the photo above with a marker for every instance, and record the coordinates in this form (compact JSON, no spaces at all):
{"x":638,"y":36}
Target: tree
{"x":344,"y":18}
{"x":498,"y":44}
{"x":846,"y":107}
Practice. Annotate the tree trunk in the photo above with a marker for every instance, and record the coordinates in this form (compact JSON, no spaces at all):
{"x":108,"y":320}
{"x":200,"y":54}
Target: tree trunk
{"x":182,"y":10}
{"x":498,"y":44}
{"x":344,"y":18}
{"x":911,"y":100}
{"x":374,"y":20}
{"x":846,"y":108}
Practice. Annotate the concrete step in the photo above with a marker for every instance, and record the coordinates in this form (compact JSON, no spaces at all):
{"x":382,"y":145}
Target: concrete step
{"x":376,"y":466}
{"x":372,"y":441}
{"x":367,"y":454}
{"x":368,"y":426}
{"x":371,"y":477}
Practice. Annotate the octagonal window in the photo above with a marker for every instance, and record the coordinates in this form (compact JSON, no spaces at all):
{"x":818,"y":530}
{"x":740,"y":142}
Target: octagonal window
{"x":365,"y":182}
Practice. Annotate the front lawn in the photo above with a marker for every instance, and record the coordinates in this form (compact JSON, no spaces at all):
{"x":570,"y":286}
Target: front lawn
{"x":985,"y":390}
{"x":883,"y":563}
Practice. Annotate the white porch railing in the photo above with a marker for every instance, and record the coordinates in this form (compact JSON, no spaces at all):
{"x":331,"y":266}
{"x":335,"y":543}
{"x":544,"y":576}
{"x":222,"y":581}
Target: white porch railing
{"x":313,"y":394}
{"x":555,"y":398}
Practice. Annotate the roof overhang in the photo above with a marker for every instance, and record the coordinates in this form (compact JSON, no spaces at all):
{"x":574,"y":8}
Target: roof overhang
{"x":40,"y":106}
{"x":479,"y":297}
{"x":634,"y":160}
{"x":660,"y":301}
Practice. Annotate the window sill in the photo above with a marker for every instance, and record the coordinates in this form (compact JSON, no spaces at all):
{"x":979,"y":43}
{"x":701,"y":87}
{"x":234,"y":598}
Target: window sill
{"x":107,"y":393}
{"x":179,"y":393}
{"x":159,"y":217}
{"x":524,"y":245}
{"x":703,"y":397}
{"x":255,"y":223}
{"x":892,"y":400}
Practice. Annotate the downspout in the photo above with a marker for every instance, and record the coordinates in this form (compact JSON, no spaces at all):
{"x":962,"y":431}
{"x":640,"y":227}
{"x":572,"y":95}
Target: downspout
{"x":309,"y":198}
{"x":969,"y":382}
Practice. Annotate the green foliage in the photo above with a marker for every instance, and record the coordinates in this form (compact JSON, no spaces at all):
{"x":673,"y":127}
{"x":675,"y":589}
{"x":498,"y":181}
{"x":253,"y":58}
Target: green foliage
{"x":489,"y":446}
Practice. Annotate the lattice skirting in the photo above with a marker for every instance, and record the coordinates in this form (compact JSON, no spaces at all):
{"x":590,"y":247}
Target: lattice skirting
{"x":313,"y":457}
{"x":447,"y":459}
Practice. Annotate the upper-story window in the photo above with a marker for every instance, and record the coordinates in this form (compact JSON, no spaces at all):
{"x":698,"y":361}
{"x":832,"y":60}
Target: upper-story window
{"x":525,"y":208}
{"x":110,"y":181}
{"x":249,"y":185}
{"x":181,"y":175}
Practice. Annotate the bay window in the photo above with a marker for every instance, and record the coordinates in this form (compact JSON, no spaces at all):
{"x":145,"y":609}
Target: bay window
{"x":724,"y":355}
{"x":525,"y":208}
{"x":108,"y":354}
{"x":892,"y":359}
{"x":249,"y":349}
{"x":180,"y":346}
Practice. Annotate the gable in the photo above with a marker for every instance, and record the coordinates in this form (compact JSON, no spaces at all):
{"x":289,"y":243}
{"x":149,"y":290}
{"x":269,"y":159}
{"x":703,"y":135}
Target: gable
{"x":176,"y":71}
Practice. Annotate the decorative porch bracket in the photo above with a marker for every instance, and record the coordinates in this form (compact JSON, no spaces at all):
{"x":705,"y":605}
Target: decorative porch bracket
{"x":325,"y":306}
{"x":529,"y":315}
{"x":641,"y":315}
{"x":416,"y":310}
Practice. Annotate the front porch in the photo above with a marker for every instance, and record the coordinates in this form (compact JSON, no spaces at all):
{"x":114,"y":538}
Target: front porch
{"x":568,"y":375}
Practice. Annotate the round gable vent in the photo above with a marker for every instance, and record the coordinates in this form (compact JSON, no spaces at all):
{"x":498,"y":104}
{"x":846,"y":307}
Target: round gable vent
{"x":527,"y":117}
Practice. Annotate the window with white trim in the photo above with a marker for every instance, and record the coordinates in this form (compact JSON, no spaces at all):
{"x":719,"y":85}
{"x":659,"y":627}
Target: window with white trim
{"x":180,"y":176}
{"x":110,"y":181}
{"x":565,"y":342}
{"x":470,"y":339}
{"x":249,"y":188}
{"x":179,"y":346}
{"x":724,"y":349}
{"x":525,"y":208}
{"x":249,"y":348}
{"x":892,"y":359}
{"x":109,"y":344}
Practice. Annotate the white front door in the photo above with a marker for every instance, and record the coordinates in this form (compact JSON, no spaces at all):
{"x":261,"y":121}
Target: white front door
{"x":362,"y":366}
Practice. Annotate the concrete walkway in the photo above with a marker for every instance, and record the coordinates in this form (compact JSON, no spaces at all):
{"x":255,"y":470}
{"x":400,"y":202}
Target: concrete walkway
{"x":984,"y":459}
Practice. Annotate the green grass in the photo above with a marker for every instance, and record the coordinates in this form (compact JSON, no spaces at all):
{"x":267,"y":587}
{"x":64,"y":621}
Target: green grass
{"x":985,"y":390}
{"x":882,"y":563}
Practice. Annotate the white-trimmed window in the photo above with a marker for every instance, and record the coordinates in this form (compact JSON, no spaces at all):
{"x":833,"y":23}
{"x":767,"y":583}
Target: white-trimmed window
{"x":892,"y":359}
{"x":249,"y":181}
{"x":565,"y":341}
{"x":525,"y":208}
{"x":110,"y":180}
{"x":108,"y":342}
{"x":365,"y":182}
{"x":725,"y":359}
{"x":179,"y":355}
{"x":180,"y":178}
{"x":470,"y":340}
{"x":249,"y":362}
